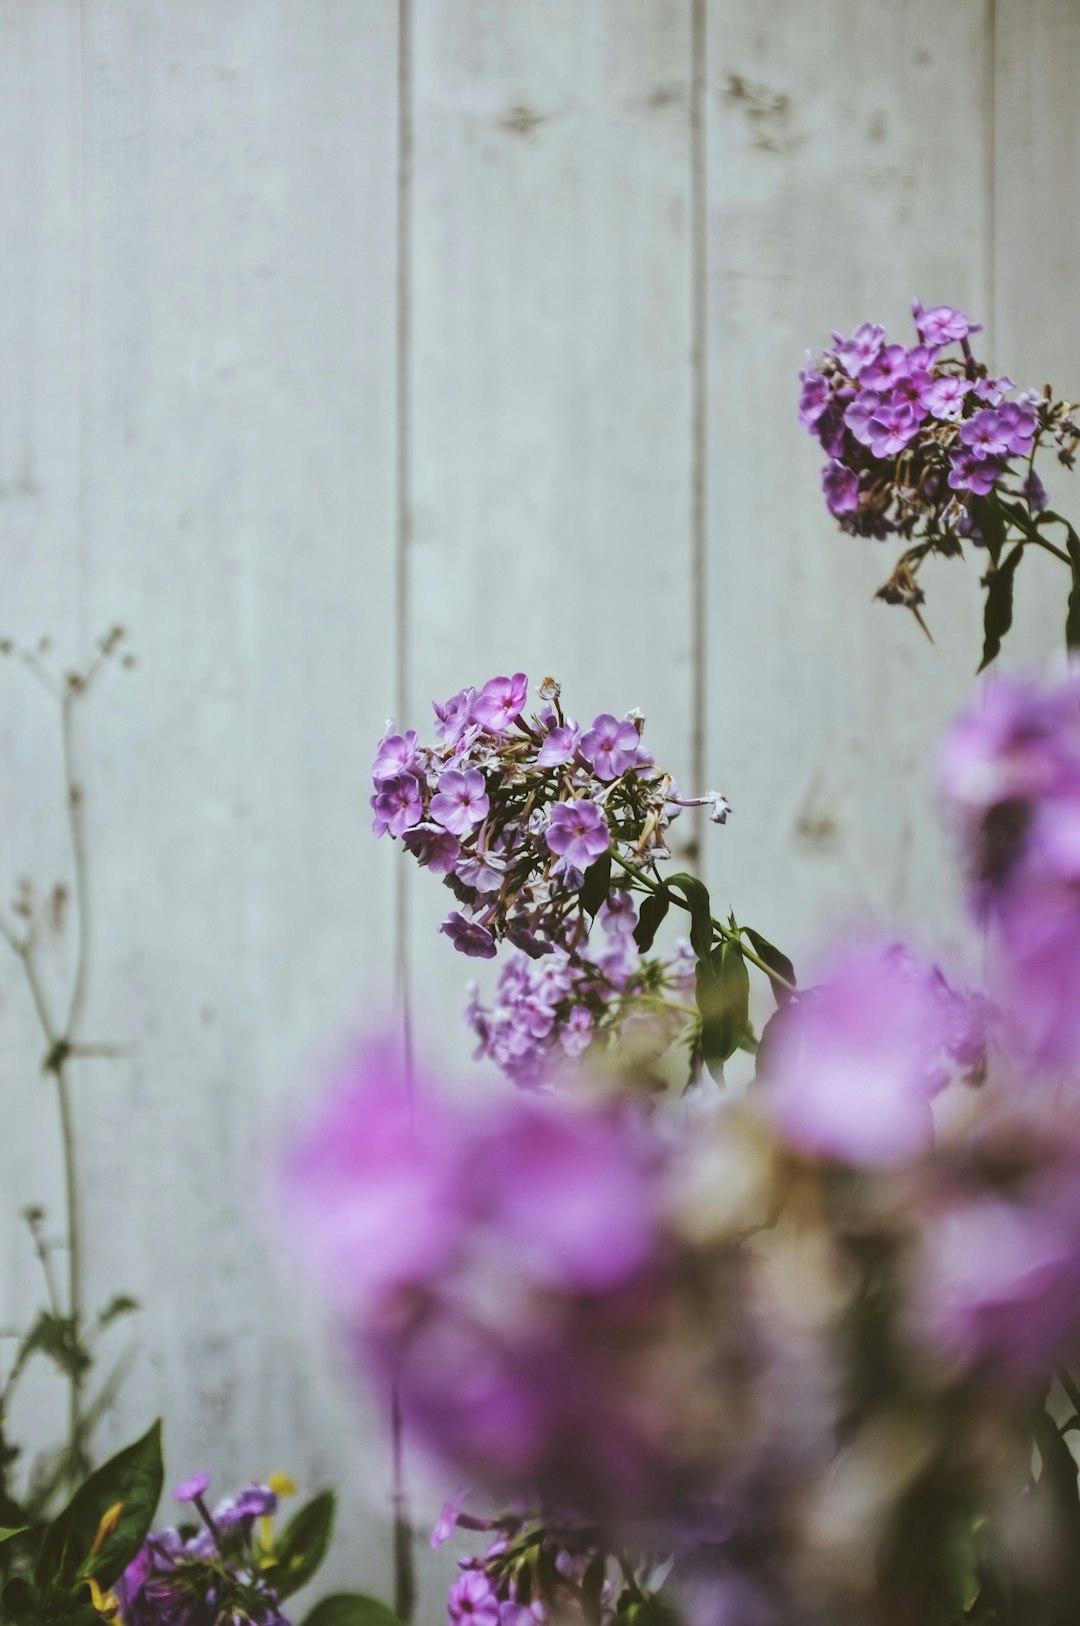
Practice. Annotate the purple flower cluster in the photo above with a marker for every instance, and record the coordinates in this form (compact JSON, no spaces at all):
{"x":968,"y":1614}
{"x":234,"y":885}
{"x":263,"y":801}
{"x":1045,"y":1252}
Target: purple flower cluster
{"x":916,"y":435}
{"x":529,"y":1572}
{"x":1011,"y":771}
{"x":548,"y":1011}
{"x":212,"y":1575}
{"x":511,"y":812}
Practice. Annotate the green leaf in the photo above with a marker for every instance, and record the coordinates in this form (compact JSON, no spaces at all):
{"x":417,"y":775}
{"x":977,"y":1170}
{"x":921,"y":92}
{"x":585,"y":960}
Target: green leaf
{"x":775,"y":960}
{"x":6,"y":1534}
{"x":723,"y":996}
{"x":302,"y":1545}
{"x":56,"y":1337}
{"x":131,"y":1479}
{"x":997,"y":616}
{"x":988,"y":517}
{"x":350,"y":1609}
{"x":594,"y":888}
{"x":650,"y":919}
{"x":697,"y":896}
{"x":122,"y":1304}
{"x":1072,"y":618}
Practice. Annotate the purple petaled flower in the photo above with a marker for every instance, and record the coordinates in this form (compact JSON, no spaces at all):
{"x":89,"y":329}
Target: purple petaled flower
{"x":860,"y":349}
{"x":577,"y":1031}
{"x":942,"y":324}
{"x":944,"y":396}
{"x":189,"y":1490}
{"x":559,"y":746}
{"x":481,"y":871}
{"x":448,"y":1518}
{"x":396,"y":755}
{"x":1034,"y":492}
{"x":841,"y":487}
{"x":858,"y":415}
{"x":1019,"y":423}
{"x":992,"y":390}
{"x":814,"y":398}
{"x":986,"y":433}
{"x":500,"y":702}
{"x":856,"y":1062}
{"x":461,"y":801}
{"x":472,"y":1599}
{"x":890,"y":363}
{"x":455,"y":718}
{"x":469,"y":937}
{"x":610,"y":746}
{"x":433,"y":847}
{"x":578,"y":832}
{"x":892,"y":427}
{"x":397,"y":806}
{"x":967,"y":472}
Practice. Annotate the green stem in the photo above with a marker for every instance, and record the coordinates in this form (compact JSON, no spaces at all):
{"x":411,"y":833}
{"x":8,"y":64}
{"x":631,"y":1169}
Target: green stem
{"x":719,"y":928}
{"x":74,"y":1250}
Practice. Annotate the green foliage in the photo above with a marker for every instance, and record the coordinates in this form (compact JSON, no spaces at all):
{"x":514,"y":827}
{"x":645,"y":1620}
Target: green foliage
{"x":723,"y":996}
{"x":651,"y":917}
{"x":302,"y":1545}
{"x":998,"y":611}
{"x":130,"y":1481}
{"x":594,"y":888}
{"x":697,"y":897}
{"x":350,"y":1609}
{"x":776,"y":961}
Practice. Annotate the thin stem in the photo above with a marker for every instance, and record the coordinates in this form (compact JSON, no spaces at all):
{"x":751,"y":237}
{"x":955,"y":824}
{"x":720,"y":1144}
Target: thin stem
{"x":1041,"y":542}
{"x":74,"y":1250}
{"x":404,"y":1570}
{"x":718,"y":926}
{"x":74,"y":798}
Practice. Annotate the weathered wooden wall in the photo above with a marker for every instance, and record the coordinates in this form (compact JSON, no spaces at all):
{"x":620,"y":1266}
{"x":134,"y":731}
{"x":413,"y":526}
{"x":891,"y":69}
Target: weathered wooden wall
{"x":353,"y":350}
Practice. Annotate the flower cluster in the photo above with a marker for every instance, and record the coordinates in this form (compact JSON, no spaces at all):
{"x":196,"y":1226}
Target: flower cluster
{"x":547,"y":1012}
{"x":512,"y":812}
{"x":919,"y":436}
{"x":207,"y":1575}
{"x":530,"y":1573}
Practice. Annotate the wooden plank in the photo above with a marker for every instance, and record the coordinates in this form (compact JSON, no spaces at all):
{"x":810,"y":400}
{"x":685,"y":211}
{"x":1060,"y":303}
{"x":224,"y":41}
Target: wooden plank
{"x":236,"y":366}
{"x":1036,"y":245}
{"x":551,"y":322}
{"x":845,"y":155}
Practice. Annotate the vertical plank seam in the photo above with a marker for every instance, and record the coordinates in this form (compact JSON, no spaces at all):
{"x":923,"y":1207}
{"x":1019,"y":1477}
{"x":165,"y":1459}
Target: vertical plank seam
{"x":990,"y":175}
{"x":81,"y":404}
{"x":699,"y":404}
{"x":403,"y":493}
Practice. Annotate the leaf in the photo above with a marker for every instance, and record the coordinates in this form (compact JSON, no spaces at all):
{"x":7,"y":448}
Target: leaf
{"x":723,"y":996}
{"x":776,"y":961}
{"x":697,"y":897}
{"x":997,"y":616}
{"x":303,"y":1543}
{"x":7,"y":1535}
{"x":122,"y":1304}
{"x":650,"y":918}
{"x":991,"y":524}
{"x":594,"y":888}
{"x":133,"y":1479}
{"x":56,"y":1337}
{"x":350,"y":1609}
{"x":1072,"y":618}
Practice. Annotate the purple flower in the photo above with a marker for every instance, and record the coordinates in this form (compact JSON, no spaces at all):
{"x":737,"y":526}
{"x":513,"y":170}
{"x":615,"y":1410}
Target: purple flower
{"x":610,"y":746}
{"x":472,"y":1599}
{"x":461,"y":801}
{"x":944,"y":396}
{"x":500,"y":701}
{"x":859,"y":414}
{"x":841,"y":487}
{"x":189,"y":1489}
{"x":890,"y":363}
{"x":860,"y":349}
{"x":559,"y":746}
{"x":433,"y":847}
{"x":448,"y":1518}
{"x":992,"y":390}
{"x":481,"y":871}
{"x":577,"y":832}
{"x":942,"y":324}
{"x":814,"y":398}
{"x":469,"y":937}
{"x":396,"y":755}
{"x":455,"y":717}
{"x":1019,"y":424}
{"x":856,"y":1061}
{"x":576,"y":1034}
{"x":1035,"y":492}
{"x":397,"y":806}
{"x":986,"y":433}
{"x":892,"y":427}
{"x":967,"y":472}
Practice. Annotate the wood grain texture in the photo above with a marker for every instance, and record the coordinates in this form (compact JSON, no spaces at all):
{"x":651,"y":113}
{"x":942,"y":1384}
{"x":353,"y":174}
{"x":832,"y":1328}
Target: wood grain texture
{"x":201,"y":303}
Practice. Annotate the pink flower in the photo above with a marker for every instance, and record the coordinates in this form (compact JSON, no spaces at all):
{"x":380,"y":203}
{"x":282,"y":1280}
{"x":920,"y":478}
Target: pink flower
{"x":397,"y":806}
{"x":500,"y":702}
{"x":578,"y":832}
{"x":461,"y":801}
{"x":611,"y":746}
{"x":396,"y":755}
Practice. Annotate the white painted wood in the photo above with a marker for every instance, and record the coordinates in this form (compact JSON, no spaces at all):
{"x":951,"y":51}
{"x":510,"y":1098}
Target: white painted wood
{"x":197,"y":437}
{"x":551,"y":386}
